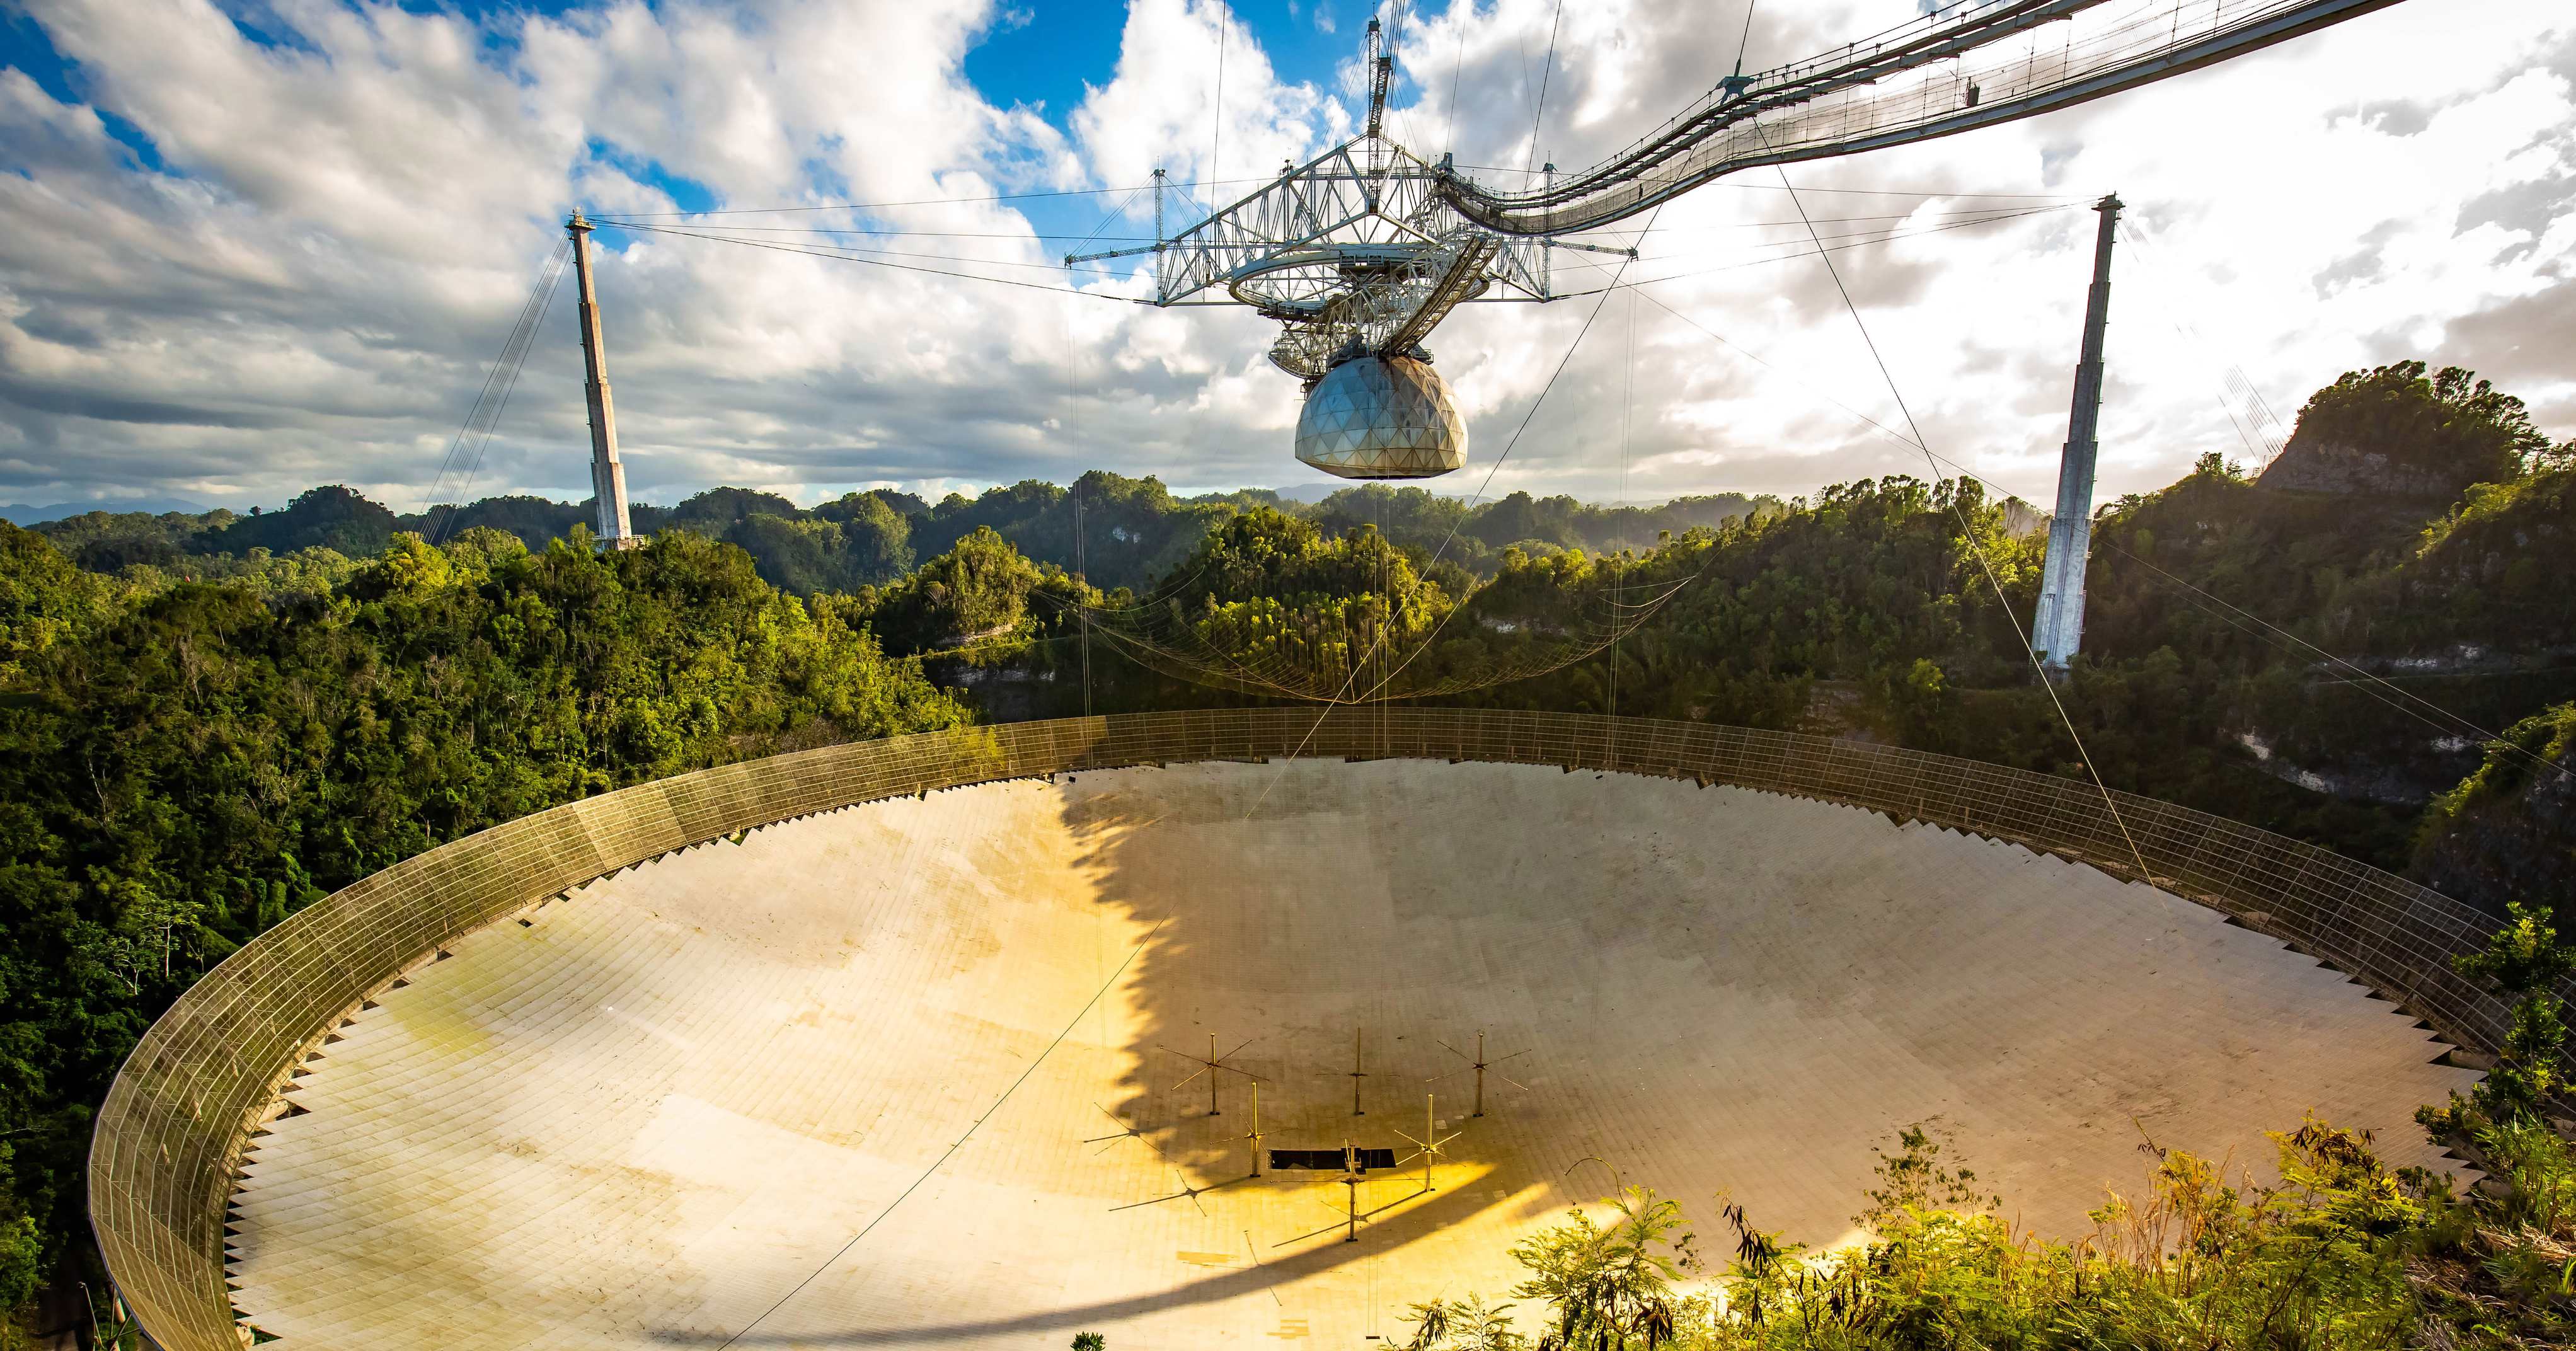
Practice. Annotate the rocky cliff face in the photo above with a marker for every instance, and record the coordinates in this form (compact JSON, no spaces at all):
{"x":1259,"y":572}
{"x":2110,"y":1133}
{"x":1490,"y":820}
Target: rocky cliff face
{"x":2316,"y":465}
{"x":2394,"y":431}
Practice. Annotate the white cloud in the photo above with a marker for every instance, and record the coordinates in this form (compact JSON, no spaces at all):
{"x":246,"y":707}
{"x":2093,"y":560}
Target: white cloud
{"x":1206,"y":108}
{"x":348,"y":222}
{"x":2248,"y":184}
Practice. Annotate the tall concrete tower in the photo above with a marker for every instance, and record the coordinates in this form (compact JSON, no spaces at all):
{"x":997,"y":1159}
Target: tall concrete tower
{"x":2058,"y":629}
{"x":607,"y":473}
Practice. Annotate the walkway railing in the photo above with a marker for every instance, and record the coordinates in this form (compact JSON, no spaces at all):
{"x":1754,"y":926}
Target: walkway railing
{"x":169,"y":1138}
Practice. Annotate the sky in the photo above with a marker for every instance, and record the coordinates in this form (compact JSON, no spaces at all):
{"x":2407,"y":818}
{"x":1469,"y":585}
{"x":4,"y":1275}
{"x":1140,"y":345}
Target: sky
{"x":249,"y":248}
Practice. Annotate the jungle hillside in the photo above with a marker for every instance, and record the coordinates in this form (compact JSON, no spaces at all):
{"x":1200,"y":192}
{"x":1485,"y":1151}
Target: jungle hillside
{"x":208,"y":721}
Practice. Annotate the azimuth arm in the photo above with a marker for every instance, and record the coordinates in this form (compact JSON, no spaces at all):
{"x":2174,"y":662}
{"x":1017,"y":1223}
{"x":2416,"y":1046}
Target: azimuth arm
{"x":1784,"y":124}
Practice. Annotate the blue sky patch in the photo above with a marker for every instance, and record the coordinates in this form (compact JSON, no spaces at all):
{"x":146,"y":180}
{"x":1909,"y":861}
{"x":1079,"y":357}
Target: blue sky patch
{"x":25,"y":48}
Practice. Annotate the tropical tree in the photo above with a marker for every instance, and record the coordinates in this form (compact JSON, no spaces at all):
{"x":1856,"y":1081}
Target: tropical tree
{"x":2523,"y":962}
{"x":1610,"y":1284}
{"x":1465,"y":1324}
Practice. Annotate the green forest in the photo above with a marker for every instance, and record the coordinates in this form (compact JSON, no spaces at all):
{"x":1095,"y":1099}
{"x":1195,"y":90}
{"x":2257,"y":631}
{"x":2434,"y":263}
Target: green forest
{"x":209,"y":721}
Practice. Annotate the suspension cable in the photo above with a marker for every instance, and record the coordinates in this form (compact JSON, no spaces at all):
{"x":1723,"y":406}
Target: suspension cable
{"x":495,"y":396}
{"x":917,"y":201}
{"x":1216,"y":112}
{"x":845,"y":257}
{"x":1967,"y":531}
{"x":1539,"y":109}
{"x":950,"y":1152}
{"x":2370,"y":682}
{"x":1454,"y":525}
{"x":1517,"y":433}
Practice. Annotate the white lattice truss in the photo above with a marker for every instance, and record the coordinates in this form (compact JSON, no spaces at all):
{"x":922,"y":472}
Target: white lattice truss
{"x":1368,"y":246}
{"x":1354,"y":246}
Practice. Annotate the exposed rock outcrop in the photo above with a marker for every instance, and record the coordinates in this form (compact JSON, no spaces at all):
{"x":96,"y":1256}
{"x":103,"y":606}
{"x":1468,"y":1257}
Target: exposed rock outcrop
{"x":2315,"y":465}
{"x":2393,"y":431}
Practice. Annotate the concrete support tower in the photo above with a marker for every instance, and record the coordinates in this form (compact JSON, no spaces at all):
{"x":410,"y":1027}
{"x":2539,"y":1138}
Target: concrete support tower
{"x":2058,"y":630}
{"x":607,"y":473}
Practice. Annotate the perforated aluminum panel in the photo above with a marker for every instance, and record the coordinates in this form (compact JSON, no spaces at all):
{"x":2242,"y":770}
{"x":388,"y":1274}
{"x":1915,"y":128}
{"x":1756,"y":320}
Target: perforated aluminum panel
{"x":170,"y":1136}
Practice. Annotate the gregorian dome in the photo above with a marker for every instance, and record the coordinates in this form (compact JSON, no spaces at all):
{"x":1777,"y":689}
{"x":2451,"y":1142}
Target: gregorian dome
{"x":1382,"y":417}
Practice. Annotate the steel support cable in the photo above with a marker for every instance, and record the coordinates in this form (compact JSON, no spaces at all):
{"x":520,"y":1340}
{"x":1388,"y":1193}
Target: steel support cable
{"x":1797,"y":248}
{"x":1841,"y":192}
{"x":2373,"y":678}
{"x":1975,"y":212}
{"x":1262,"y":674}
{"x":1804,"y":246}
{"x":1106,"y":217}
{"x":1216,"y":112}
{"x":1277,"y":678}
{"x":491,"y":379}
{"x":1579,"y":650}
{"x":1112,"y":214}
{"x":878,"y":262}
{"x":1182,"y":653}
{"x":1226,"y":671}
{"x":1627,"y":431}
{"x":1538,"y":109}
{"x":2247,"y":622}
{"x":2254,"y":625}
{"x":1814,"y":252}
{"x":1220,"y":670}
{"x":1826,"y":112}
{"x":1396,"y":11}
{"x":1856,"y":240}
{"x":988,"y":645}
{"x":1804,"y":250}
{"x":1451,"y":537}
{"x":1216,"y":671}
{"x":1521,"y":430}
{"x":945,"y":1154}
{"x":2363,"y":677}
{"x":2230,"y":376}
{"x":1967,"y":531}
{"x":863,"y":252}
{"x":1073,"y":409}
{"x":1148,"y":602}
{"x":1756,"y":358}
{"x":918,"y":201}
{"x":1455,"y":71}
{"x":2259,"y":422}
{"x":891,"y":232}
{"x":1100,"y":616}
{"x":498,"y":384}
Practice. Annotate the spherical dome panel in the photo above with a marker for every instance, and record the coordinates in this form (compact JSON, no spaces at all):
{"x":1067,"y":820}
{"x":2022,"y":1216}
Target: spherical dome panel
{"x":1382,"y":417}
